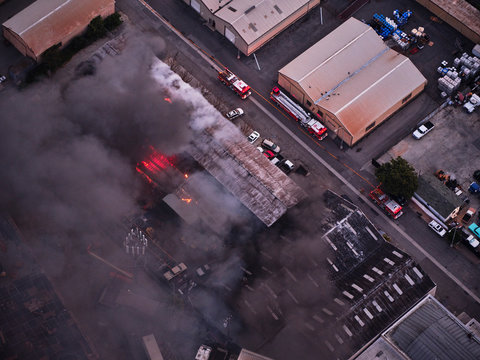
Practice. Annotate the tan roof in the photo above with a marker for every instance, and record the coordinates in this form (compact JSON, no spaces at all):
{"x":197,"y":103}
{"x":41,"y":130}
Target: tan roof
{"x":253,"y":18}
{"x":214,"y":5}
{"x":48,"y":22}
{"x":354,"y":75}
{"x":463,"y":11}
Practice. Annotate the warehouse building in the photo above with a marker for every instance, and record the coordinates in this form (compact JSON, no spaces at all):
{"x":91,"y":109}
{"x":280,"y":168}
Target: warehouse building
{"x":351,"y":80}
{"x":428,"y":331}
{"x":250,"y":24}
{"x":332,"y":293}
{"x":46,"y":23}
{"x":459,"y":14}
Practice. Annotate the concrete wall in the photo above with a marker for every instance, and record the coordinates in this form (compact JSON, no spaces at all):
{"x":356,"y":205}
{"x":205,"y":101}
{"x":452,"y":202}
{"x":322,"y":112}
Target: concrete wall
{"x":450,"y":19}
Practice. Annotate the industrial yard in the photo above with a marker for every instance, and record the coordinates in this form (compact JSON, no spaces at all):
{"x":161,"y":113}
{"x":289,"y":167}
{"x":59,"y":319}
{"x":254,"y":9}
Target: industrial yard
{"x":198,"y":182}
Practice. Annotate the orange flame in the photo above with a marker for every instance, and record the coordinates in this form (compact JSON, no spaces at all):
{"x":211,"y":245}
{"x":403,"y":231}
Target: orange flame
{"x":186,"y":176}
{"x":187,"y":200}
{"x":167,"y":99}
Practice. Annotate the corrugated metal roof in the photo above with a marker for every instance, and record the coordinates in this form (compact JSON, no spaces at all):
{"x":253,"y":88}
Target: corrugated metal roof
{"x":263,"y":188}
{"x":437,"y":195}
{"x":461,"y":10}
{"x":354,"y":75}
{"x":214,"y":5}
{"x":253,"y":18}
{"x":372,"y":285}
{"x":48,"y":22}
{"x":249,"y":355}
{"x":430,"y":331}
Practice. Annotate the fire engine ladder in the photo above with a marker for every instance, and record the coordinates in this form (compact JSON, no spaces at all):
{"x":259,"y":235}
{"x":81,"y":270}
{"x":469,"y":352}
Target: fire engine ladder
{"x":290,"y":104}
{"x":328,"y":93}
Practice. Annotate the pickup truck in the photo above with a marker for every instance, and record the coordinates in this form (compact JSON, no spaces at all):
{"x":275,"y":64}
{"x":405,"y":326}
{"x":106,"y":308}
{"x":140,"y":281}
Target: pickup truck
{"x":472,"y":103}
{"x":423,"y":130}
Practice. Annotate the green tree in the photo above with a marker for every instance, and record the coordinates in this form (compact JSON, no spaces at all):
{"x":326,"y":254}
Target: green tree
{"x":96,"y":29}
{"x":112,"y":21}
{"x":398,"y":177}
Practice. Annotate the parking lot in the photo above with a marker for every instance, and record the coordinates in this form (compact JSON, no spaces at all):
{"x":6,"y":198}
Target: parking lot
{"x":452,"y":146}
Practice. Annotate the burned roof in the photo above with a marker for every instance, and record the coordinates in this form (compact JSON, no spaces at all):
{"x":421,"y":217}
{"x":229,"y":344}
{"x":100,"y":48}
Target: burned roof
{"x":437,"y":195}
{"x":336,"y":296}
{"x":34,"y":323}
{"x":263,"y":188}
{"x":201,"y":201}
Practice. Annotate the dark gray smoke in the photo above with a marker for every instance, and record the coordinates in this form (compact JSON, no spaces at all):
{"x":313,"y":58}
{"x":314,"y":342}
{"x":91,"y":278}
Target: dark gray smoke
{"x":68,"y":156}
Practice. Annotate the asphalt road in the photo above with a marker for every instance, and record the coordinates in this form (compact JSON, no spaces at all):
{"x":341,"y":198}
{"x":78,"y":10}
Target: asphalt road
{"x":351,"y":164}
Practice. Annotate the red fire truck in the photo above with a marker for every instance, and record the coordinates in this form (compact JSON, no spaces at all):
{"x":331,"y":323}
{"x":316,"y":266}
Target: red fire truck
{"x":314,"y":127}
{"x":237,"y":85}
{"x":391,"y":207}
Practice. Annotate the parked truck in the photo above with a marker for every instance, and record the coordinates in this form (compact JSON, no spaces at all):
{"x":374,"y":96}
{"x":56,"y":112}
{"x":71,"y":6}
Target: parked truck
{"x":314,"y":127}
{"x":472,"y":103}
{"x":391,"y":207}
{"x":237,"y":85}
{"x":423,"y":130}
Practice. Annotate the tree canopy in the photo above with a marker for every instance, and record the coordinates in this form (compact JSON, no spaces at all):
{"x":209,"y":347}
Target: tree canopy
{"x":398,"y":177}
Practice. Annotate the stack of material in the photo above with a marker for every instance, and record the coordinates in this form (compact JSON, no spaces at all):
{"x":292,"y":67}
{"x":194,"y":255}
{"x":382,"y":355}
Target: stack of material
{"x":449,"y":85}
{"x":384,"y":25}
{"x":401,"y":39}
{"x":402,"y":19}
{"x":469,"y":65}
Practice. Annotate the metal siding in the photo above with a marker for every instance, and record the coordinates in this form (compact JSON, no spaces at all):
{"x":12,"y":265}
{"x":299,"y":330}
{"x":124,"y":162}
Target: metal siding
{"x":264,"y":16}
{"x":459,"y":14}
{"x":365,"y":80}
{"x":49,"y":22}
{"x":431,"y":332}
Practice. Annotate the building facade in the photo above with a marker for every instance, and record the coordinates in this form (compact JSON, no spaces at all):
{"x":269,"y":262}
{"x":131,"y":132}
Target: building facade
{"x":250,"y":24}
{"x":46,"y":23}
{"x":351,"y":81}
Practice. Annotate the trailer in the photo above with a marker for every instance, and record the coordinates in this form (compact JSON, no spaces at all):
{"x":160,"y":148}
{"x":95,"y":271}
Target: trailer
{"x":314,"y":127}
{"x":233,"y":82}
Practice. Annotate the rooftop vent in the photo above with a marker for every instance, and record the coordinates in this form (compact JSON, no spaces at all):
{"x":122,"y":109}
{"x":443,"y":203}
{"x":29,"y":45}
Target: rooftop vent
{"x":252,"y":26}
{"x":232,"y":9}
{"x":278,"y":9}
{"x":249,"y":9}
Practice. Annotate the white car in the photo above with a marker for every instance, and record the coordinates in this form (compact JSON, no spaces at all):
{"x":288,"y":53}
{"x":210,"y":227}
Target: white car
{"x":234,"y":113}
{"x":253,"y":137}
{"x":423,"y":130}
{"x":3,"y":78}
{"x":270,"y":145}
{"x":439,"y":229}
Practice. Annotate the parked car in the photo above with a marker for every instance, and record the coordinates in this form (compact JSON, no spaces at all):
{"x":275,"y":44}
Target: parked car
{"x":423,"y":130}
{"x":259,"y":148}
{"x":234,"y":113}
{"x":269,"y":154}
{"x":253,"y":137}
{"x":468,"y":215}
{"x":270,"y":145}
{"x":286,"y":166}
{"x":439,"y":229}
{"x":3,"y":78}
{"x":475,"y":229}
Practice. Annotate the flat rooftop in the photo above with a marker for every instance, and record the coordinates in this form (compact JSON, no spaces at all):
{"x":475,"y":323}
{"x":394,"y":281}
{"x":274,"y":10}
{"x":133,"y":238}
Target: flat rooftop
{"x":330,"y":293}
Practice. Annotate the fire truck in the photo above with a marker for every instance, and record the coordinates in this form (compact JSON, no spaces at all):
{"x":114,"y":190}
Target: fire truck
{"x":237,"y":85}
{"x":391,"y":207}
{"x":314,"y":127}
